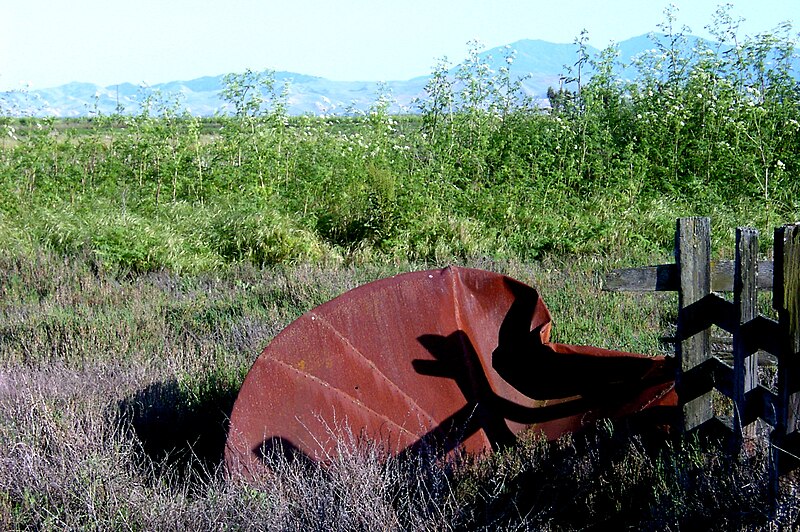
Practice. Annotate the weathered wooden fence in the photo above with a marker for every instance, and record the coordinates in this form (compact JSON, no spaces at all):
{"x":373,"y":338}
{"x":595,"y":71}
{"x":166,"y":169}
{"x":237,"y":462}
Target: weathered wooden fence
{"x":698,"y":280}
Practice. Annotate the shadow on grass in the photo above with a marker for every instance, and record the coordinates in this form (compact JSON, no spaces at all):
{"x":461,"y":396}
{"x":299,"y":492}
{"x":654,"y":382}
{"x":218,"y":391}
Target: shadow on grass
{"x":625,"y":478}
{"x":181,"y":430}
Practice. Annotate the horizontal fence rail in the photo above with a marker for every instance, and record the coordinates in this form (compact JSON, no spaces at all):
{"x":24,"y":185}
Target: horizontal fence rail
{"x":666,"y":277}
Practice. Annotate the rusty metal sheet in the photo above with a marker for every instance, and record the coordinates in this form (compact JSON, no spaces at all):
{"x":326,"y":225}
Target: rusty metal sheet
{"x":454,"y":358}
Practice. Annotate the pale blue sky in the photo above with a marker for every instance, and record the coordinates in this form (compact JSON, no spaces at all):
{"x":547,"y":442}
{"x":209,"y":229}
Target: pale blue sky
{"x":50,"y":42}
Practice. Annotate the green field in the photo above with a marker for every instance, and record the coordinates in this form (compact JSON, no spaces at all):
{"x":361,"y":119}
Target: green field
{"x":146,"y":260}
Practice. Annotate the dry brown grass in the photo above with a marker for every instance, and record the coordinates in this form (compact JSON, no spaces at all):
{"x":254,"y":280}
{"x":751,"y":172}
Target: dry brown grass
{"x":114,"y":396}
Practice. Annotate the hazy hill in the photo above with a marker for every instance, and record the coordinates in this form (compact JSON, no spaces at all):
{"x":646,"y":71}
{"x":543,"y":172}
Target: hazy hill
{"x":541,"y":63}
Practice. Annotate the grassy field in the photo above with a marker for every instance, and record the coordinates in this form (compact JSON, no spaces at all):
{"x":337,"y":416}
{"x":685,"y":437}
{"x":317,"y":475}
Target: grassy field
{"x":146,"y":260}
{"x":478,"y":171}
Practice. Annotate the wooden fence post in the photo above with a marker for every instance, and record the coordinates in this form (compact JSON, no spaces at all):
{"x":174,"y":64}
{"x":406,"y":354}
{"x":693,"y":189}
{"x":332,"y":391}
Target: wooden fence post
{"x":745,"y":301}
{"x":786,"y":300}
{"x":693,"y":257}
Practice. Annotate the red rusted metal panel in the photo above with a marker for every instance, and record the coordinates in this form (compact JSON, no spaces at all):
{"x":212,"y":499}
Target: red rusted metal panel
{"x":455,"y":358}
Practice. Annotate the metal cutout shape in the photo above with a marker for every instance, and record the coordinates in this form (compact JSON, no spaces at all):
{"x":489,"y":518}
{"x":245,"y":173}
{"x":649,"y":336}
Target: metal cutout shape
{"x":456,"y":358}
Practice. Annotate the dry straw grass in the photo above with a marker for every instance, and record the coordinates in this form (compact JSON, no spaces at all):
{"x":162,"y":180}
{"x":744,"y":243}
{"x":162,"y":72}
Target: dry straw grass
{"x":114,"y":396}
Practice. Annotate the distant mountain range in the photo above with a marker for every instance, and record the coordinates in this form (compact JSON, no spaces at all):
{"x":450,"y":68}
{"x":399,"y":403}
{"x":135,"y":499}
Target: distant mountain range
{"x":541,"y":63}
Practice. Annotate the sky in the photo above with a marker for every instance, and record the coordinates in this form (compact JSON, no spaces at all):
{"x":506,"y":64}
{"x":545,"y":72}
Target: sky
{"x":46,"y":43}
